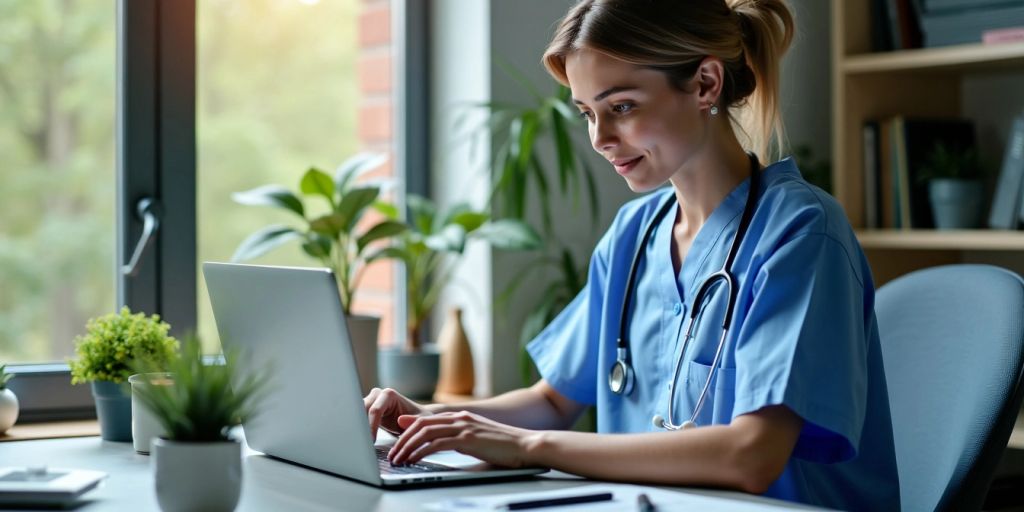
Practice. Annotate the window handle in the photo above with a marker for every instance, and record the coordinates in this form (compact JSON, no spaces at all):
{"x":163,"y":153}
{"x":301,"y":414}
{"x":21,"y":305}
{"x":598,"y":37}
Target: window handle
{"x":148,"y":210}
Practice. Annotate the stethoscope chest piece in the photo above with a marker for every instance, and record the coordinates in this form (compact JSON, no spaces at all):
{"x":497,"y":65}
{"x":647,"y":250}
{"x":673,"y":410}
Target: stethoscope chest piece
{"x":620,"y":378}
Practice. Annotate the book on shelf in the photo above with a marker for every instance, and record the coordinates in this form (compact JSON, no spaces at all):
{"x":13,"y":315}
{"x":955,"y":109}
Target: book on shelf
{"x":964,"y":23}
{"x":895,"y":195}
{"x":1007,"y":203}
{"x":904,"y":24}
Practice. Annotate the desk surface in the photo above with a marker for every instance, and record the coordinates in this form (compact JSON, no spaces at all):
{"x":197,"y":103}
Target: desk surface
{"x":269,"y":484}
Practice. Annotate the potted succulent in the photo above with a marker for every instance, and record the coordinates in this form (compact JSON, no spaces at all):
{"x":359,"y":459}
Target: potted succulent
{"x":8,"y":401}
{"x":197,"y":464}
{"x":429,"y":250}
{"x":336,"y":239}
{"x":105,"y":354}
{"x":955,"y":189}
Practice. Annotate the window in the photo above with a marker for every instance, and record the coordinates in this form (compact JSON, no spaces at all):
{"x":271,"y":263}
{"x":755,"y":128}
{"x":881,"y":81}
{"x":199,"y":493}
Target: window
{"x":211,"y":98}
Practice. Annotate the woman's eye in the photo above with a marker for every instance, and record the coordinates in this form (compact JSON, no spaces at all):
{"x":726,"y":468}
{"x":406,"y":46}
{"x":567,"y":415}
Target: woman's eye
{"x":585,"y":114}
{"x":622,"y":108}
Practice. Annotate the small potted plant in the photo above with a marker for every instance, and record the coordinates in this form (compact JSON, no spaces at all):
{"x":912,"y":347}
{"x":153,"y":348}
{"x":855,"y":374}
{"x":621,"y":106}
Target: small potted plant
{"x":8,"y":401}
{"x":336,"y":239}
{"x":197,"y":463}
{"x":429,"y":249}
{"x":105,"y":354}
{"x":955,"y":189}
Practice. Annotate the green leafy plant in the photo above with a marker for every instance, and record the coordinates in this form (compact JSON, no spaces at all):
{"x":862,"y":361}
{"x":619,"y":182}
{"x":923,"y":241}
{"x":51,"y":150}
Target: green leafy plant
{"x":197,"y":401}
{"x":113,"y":343}
{"x":4,"y":377}
{"x":951,"y":162}
{"x":814,"y":170}
{"x":336,"y":239}
{"x":434,"y":239}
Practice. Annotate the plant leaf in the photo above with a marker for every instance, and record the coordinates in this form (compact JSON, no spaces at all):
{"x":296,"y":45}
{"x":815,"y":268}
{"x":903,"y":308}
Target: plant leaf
{"x":470,"y":220}
{"x":262,"y":241}
{"x":385,"y":229}
{"x":329,"y":225}
{"x":317,"y":246}
{"x":423,"y":212}
{"x":271,"y":195}
{"x":386,"y":209}
{"x":317,"y":182}
{"x":352,"y":205}
{"x":354,"y":167}
{"x":389,"y":253}
{"x":509,"y":234}
{"x":452,"y":238}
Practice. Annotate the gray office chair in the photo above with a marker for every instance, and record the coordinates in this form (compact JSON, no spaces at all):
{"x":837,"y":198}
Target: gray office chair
{"x":953,"y":347}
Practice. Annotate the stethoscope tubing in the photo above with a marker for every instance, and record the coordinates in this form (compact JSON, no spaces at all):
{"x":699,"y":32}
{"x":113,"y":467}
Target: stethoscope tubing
{"x":622,"y":367}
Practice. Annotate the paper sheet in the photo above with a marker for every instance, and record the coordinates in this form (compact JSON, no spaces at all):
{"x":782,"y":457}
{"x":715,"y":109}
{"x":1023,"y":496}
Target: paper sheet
{"x":624,"y":497}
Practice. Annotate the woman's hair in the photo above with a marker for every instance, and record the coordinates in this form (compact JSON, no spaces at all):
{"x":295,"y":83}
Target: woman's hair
{"x":674,"y":36}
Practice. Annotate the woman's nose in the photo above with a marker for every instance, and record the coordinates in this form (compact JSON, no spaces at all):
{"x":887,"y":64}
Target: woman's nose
{"x":603,"y":136}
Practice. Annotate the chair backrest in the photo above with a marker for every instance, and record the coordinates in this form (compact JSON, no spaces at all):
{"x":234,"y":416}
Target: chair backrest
{"x":952,"y":340}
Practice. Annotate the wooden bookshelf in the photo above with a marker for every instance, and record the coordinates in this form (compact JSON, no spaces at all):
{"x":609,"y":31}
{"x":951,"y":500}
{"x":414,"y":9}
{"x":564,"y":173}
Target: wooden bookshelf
{"x":925,"y":82}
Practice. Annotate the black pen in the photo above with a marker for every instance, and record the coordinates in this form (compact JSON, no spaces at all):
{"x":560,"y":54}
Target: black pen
{"x":644,"y":503}
{"x":566,"y":500}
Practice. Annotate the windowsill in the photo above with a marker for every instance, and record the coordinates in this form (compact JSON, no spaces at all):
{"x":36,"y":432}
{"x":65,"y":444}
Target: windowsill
{"x":52,"y":429}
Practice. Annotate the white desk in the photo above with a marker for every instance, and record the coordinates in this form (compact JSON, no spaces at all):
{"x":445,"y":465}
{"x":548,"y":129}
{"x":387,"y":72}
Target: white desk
{"x":272,"y":485}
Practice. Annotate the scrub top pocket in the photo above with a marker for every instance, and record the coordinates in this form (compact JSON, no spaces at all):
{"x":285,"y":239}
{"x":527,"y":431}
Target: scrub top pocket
{"x":721,"y":395}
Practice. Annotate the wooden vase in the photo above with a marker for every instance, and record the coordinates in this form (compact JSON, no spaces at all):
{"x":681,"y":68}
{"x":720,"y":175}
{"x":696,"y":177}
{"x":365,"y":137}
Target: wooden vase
{"x":456,"y":373}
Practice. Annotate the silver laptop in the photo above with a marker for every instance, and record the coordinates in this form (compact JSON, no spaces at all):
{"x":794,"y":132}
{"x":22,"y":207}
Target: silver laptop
{"x":290,"y":320}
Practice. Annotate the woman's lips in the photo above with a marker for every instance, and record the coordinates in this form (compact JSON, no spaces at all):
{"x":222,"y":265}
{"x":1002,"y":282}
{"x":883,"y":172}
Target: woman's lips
{"x":624,"y":166}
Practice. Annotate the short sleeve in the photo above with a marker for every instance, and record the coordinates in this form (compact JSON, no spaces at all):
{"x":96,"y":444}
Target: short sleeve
{"x":566,"y":351}
{"x":803,"y":344}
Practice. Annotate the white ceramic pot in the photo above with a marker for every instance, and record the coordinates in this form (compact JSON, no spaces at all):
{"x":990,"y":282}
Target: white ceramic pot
{"x":197,"y":476}
{"x":145,"y":426}
{"x":8,"y":409}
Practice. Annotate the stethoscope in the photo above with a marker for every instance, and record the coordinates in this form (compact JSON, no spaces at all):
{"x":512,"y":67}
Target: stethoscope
{"x":620,"y":378}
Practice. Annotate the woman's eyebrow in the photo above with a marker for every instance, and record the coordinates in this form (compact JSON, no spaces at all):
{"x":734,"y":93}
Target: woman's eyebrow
{"x":607,"y":92}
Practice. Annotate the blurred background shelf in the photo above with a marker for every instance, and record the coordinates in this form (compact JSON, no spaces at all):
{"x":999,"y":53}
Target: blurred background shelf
{"x":961,"y":58}
{"x":953,"y":240}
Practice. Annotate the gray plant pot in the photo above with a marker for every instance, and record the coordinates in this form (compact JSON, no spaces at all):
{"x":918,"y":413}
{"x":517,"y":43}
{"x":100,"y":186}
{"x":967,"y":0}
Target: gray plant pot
{"x":956,"y":204}
{"x":363,"y":331}
{"x":114,"y":410}
{"x":197,"y":476}
{"x":413,"y":374}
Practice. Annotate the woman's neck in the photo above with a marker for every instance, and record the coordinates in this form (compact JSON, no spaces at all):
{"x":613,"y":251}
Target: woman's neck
{"x":705,"y":181}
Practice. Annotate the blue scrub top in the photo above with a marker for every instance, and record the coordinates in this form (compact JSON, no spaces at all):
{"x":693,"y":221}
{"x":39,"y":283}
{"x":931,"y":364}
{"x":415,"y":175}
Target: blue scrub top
{"x":803,"y":334}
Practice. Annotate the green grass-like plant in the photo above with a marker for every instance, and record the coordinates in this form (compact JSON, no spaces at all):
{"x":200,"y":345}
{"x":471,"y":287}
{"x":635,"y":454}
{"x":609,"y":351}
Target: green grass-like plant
{"x":202,"y":401}
{"x":114,"y":343}
{"x":4,"y":377}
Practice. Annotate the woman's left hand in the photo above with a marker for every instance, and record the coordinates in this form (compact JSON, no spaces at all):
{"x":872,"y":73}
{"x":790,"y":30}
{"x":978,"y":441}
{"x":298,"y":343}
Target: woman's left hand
{"x":463,"y":432}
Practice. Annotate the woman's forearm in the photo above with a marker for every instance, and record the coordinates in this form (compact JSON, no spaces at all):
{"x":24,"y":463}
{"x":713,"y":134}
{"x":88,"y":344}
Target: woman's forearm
{"x":748,"y":454}
{"x":528,"y":408}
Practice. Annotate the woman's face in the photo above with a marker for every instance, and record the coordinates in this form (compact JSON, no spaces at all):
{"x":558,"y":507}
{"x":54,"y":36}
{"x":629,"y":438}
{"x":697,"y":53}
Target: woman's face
{"x":644,"y":126}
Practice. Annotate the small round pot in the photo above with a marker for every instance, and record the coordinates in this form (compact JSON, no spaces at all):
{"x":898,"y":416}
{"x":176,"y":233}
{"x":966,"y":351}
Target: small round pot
{"x":413,"y":374}
{"x":197,"y":476}
{"x":956,"y":204}
{"x":145,"y":425}
{"x":8,"y":409}
{"x":114,"y":410}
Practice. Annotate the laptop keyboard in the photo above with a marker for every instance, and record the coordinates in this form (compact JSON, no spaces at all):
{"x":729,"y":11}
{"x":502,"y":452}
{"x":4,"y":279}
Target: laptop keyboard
{"x":405,"y":469}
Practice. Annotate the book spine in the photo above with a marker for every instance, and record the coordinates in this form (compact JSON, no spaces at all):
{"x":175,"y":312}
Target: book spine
{"x":886,"y":196}
{"x":892,"y":12}
{"x":901,"y":174}
{"x":871,"y":175}
{"x":1007,"y":201}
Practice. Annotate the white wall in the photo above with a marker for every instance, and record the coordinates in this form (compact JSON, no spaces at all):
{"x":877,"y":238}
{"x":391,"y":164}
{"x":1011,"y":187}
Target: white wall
{"x":467,"y":36}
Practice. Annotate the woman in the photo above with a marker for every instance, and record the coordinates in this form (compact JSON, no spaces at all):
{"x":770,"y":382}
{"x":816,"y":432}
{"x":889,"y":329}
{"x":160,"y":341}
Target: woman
{"x":791,"y":400}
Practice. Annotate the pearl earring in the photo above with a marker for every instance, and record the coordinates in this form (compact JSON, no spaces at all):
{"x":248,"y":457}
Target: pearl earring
{"x":714,"y":109}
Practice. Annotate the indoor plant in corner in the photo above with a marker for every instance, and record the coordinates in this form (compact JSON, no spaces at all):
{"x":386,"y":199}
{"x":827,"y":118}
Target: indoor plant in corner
{"x":955,"y":189}
{"x":337,"y":239}
{"x":104,"y":357}
{"x":429,"y":250}
{"x":198,"y":466}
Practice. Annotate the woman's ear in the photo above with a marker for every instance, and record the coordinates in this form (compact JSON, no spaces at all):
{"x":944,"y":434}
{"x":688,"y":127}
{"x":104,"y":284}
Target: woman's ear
{"x":709,"y":76}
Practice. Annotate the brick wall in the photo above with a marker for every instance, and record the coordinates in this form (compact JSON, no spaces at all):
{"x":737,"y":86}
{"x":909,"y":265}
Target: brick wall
{"x":376,"y":289}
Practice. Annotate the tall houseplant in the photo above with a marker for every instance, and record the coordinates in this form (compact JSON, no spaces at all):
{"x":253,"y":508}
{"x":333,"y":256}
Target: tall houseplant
{"x":429,"y":250}
{"x":105,"y":357}
{"x":336,"y":239}
{"x":197,"y":464}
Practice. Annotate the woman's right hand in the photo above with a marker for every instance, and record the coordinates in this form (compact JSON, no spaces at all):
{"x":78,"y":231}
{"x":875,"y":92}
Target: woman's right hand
{"x":384,"y":406}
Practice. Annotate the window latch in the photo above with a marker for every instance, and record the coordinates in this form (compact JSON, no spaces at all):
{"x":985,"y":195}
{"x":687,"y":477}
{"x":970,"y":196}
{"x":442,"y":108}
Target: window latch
{"x":149,"y":212}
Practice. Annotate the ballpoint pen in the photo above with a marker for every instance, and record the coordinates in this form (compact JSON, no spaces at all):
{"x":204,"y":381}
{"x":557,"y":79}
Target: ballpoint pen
{"x":644,"y":504}
{"x":565,"y":500}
